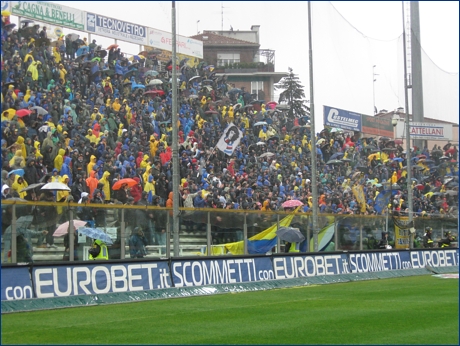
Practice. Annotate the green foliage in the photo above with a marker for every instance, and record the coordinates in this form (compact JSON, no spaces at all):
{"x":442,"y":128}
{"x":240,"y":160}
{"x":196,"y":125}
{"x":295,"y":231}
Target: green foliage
{"x":409,"y":310}
{"x":293,"y":95}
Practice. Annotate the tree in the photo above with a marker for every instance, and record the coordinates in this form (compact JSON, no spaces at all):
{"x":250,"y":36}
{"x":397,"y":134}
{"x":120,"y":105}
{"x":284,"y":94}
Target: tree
{"x":293,"y":95}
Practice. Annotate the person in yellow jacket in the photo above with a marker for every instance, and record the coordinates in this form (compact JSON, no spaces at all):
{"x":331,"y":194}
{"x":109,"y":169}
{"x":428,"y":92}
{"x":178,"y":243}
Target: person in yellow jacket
{"x":37,"y":150}
{"x":106,"y":188}
{"x":61,"y":196}
{"x":18,"y":158}
{"x":18,"y":185}
{"x":29,"y":56}
{"x":245,"y":120}
{"x":98,"y":251}
{"x":27,"y":95}
{"x":144,"y":162}
{"x":145,"y":176}
{"x":20,"y":144}
{"x":59,"y":159}
{"x":163,"y":140}
{"x":92,"y":162}
{"x":154,"y":143}
{"x":394,"y":178}
{"x":57,"y":56}
{"x":92,"y":138}
{"x":95,"y":114}
{"x":116,"y":105}
{"x":34,"y":70}
{"x":149,"y":186}
{"x":62,"y":72}
{"x":120,"y":130}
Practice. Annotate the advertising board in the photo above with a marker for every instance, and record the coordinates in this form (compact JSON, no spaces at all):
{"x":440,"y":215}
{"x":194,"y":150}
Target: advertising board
{"x":377,"y":126}
{"x":116,"y":28}
{"x":50,"y":13}
{"x":16,"y":283}
{"x":184,"y":45}
{"x":342,"y":119}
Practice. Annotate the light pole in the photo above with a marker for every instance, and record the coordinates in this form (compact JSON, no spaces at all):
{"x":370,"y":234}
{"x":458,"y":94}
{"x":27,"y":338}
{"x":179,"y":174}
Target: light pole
{"x":373,"y":86}
{"x":394,"y":122}
{"x":197,"y":32}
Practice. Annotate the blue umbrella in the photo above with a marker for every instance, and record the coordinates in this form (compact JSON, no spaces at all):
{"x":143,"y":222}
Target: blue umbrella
{"x":82,"y":50}
{"x":96,"y":234}
{"x":19,"y":172}
{"x":398,"y":159}
{"x":336,"y":156}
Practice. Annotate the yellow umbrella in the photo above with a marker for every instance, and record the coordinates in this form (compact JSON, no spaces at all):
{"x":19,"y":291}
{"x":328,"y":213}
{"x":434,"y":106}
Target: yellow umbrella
{"x":429,"y":194}
{"x":6,"y":13}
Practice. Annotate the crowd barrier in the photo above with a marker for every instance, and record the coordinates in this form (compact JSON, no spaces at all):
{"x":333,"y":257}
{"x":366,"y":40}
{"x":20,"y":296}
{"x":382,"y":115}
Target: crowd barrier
{"x":202,"y":232}
{"x":102,"y":277}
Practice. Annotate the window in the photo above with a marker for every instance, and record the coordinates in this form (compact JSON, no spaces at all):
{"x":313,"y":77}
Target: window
{"x":257,"y":89}
{"x":227,"y":58}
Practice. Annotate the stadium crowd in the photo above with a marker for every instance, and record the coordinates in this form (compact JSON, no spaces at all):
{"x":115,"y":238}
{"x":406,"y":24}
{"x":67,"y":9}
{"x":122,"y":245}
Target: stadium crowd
{"x":76,"y":113}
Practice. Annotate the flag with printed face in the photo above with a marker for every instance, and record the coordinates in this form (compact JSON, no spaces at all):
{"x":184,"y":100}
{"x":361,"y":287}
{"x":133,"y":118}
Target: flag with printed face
{"x":230,"y":139}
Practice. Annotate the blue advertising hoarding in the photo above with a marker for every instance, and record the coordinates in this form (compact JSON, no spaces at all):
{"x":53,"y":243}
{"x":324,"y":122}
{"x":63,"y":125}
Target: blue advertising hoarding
{"x":116,"y":28}
{"x":439,"y":258}
{"x":64,"y":281}
{"x":16,"y":283}
{"x":290,"y":267}
{"x":366,"y":262}
{"x":342,"y":119}
{"x":220,"y":271}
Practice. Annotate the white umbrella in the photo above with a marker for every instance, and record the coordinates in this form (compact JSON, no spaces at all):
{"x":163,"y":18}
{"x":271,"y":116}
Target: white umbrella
{"x":261,"y":143}
{"x":56,"y":187}
{"x":155,"y":82}
{"x":260,"y":123}
{"x":267,"y":154}
{"x":40,"y":110}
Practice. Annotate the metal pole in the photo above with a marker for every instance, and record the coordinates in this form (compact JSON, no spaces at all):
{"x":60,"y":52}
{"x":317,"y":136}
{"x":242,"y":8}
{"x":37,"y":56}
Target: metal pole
{"x":175,"y":150}
{"x":71,"y":236}
{"x":122,"y":235}
{"x":14,"y":257}
{"x":208,"y":234}
{"x":278,"y":243}
{"x":407,"y":128}
{"x":168,"y":238}
{"x":314,"y":188}
{"x":245,"y":235}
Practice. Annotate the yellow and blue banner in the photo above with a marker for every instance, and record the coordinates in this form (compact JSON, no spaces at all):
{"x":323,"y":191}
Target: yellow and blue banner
{"x":262,"y":242}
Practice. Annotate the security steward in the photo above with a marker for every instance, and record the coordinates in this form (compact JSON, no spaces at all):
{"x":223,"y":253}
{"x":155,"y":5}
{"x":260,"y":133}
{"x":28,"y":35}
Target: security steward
{"x":98,"y":251}
{"x":427,"y":240}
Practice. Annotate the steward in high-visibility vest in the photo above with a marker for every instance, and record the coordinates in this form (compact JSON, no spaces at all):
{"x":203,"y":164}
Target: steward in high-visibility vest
{"x":99,"y":251}
{"x":427,"y":240}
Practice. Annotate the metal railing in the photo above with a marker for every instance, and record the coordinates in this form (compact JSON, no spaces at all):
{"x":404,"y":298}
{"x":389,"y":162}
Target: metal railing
{"x":203,"y":232}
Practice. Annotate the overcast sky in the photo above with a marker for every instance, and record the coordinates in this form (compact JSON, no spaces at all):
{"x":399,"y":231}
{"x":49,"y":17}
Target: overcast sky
{"x":283,"y":28}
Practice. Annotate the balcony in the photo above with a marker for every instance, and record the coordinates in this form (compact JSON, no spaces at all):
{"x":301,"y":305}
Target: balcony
{"x":246,"y":67}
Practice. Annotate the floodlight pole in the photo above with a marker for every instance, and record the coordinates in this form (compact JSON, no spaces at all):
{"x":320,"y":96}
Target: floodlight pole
{"x":407,"y":129}
{"x":314,"y":187}
{"x":175,"y":153}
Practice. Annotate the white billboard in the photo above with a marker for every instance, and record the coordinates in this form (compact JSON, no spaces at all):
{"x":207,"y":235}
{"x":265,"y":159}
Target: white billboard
{"x":435,"y":131}
{"x":163,"y":40}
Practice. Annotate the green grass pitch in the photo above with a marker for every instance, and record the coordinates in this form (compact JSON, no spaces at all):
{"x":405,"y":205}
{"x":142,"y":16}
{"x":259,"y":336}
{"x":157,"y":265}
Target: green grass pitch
{"x":410,"y":310}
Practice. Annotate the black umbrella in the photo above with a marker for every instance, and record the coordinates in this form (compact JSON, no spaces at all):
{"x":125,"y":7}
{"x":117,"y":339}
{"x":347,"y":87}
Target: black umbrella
{"x":129,"y":73}
{"x":290,"y":234}
{"x":101,"y":53}
{"x":334,"y":162}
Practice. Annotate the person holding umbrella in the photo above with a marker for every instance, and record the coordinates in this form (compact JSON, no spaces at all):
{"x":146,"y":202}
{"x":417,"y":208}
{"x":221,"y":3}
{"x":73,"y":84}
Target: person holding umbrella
{"x":98,"y":251}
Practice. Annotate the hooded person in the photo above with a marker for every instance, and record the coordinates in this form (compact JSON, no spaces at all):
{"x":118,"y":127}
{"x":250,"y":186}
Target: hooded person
{"x":92,"y":162}
{"x":17,"y":159}
{"x":59,"y":159}
{"x":136,"y":190}
{"x":106,"y":188}
{"x":37,"y":149}
{"x":150,"y":188}
{"x":18,"y":185}
{"x":6,"y":192}
{"x":30,"y":172}
{"x":20,"y":144}
{"x":61,"y":196}
{"x":92,"y":183}
{"x":66,"y":170}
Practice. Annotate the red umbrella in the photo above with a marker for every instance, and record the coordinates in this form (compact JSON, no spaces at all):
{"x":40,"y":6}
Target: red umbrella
{"x":292,"y":203}
{"x":398,"y":141}
{"x":23,"y":112}
{"x":155,"y":92}
{"x":272,"y":104}
{"x":127,"y":181}
{"x":112,"y":46}
{"x":420,"y":186}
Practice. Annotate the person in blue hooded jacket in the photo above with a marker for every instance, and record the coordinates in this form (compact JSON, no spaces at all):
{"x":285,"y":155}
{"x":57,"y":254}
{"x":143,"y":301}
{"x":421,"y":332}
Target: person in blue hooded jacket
{"x":66,"y":170}
{"x":198,"y":201}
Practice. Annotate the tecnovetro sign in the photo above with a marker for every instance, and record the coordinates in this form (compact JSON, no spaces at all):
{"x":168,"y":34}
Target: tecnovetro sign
{"x":342,"y":119}
{"x":115,"y":28}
